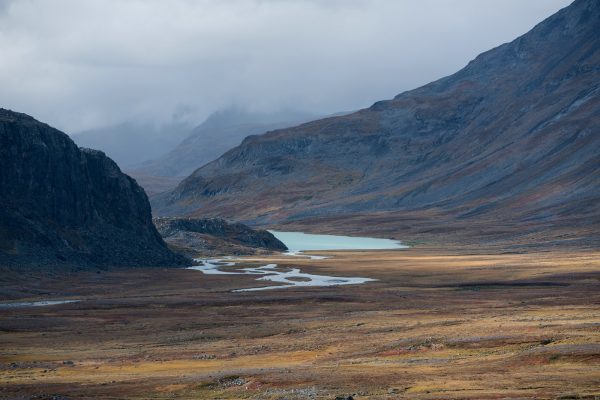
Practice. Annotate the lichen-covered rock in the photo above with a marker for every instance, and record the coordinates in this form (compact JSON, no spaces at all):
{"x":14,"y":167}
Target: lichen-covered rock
{"x":60,"y":204}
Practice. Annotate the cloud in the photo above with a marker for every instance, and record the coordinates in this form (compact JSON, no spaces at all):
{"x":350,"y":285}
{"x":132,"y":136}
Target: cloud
{"x":80,"y":64}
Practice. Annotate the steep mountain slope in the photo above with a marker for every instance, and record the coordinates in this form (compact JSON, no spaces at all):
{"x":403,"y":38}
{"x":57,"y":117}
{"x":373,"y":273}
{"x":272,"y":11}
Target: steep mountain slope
{"x":512,"y":139}
{"x":65,"y":205}
{"x":130,"y":143}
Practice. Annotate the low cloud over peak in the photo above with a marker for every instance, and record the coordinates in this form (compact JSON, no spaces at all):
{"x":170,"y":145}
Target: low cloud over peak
{"x":81,"y":64}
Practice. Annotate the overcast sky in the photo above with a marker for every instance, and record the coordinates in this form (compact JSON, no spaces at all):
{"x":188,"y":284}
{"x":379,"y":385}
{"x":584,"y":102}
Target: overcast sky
{"x":79,"y":64}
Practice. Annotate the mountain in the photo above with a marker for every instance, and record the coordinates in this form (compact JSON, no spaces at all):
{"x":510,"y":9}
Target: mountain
{"x":64,"y":205}
{"x":509,"y":146}
{"x":221,"y":131}
{"x":131,"y":143}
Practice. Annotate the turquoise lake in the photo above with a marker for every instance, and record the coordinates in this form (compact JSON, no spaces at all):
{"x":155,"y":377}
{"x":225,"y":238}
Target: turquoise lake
{"x":299,"y":241}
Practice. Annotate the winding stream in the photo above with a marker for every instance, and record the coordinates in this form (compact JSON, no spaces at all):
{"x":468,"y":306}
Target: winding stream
{"x":270,"y":272}
{"x":23,"y":304}
{"x":297,"y":242}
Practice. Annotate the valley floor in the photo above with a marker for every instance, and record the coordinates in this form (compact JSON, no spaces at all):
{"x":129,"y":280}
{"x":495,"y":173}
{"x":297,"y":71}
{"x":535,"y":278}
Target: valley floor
{"x":435,"y":325}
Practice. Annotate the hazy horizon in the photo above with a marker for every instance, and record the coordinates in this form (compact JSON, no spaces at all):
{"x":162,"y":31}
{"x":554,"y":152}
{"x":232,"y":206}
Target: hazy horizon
{"x":81,"y":65}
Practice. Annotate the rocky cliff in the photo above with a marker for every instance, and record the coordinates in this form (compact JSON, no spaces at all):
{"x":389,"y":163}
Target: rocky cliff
{"x":64,"y":205}
{"x":509,"y":141}
{"x":215,"y":236}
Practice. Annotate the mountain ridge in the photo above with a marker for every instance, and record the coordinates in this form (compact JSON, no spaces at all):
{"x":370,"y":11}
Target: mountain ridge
{"x":509,"y":137}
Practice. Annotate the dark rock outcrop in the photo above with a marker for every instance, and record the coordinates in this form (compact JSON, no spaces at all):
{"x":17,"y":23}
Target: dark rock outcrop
{"x":510,"y":141}
{"x":64,"y":205}
{"x":215,"y":236}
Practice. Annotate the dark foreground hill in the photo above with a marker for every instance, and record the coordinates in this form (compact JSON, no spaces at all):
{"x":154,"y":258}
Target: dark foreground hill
{"x":507,"y":146}
{"x":64,"y":205}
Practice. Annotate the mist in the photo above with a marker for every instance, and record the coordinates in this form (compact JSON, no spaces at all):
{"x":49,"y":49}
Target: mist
{"x":79,"y":64}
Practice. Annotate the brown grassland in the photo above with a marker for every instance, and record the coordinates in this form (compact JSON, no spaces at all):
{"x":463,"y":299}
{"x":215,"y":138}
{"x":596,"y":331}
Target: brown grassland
{"x":435,"y":325}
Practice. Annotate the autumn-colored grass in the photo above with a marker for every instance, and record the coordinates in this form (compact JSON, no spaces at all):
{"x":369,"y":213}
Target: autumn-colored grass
{"x":435,"y":325}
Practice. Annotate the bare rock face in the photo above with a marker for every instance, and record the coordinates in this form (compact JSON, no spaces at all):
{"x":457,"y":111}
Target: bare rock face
{"x":512,"y":139}
{"x":64,"y":205}
{"x":215,"y":236}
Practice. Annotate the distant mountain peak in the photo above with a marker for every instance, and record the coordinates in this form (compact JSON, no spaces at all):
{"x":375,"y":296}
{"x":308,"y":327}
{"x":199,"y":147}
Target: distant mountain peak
{"x":221,"y":131}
